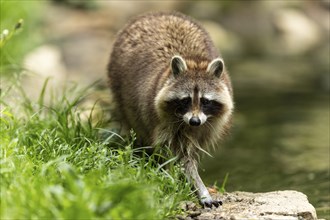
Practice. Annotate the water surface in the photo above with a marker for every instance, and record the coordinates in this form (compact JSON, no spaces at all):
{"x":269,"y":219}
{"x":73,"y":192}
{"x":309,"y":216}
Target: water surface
{"x":279,"y":141}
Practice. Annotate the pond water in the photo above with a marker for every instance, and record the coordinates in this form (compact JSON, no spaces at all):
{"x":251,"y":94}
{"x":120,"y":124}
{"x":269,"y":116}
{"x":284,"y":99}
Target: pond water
{"x":279,"y":141}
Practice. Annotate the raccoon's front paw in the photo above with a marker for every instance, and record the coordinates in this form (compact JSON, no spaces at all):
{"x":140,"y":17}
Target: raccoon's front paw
{"x":209,"y":202}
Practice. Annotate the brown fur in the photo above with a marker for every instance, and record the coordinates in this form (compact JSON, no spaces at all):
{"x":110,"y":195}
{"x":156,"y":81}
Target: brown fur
{"x":139,"y":73}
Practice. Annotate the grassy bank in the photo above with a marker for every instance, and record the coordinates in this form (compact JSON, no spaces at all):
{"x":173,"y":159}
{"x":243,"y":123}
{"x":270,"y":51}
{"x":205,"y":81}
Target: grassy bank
{"x":55,"y":165}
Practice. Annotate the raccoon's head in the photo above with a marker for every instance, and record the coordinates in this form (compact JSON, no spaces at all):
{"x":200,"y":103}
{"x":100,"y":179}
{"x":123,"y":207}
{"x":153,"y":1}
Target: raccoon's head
{"x":195,"y":92}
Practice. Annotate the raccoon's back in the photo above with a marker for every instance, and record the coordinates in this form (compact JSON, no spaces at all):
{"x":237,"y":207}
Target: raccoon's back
{"x":154,"y":38}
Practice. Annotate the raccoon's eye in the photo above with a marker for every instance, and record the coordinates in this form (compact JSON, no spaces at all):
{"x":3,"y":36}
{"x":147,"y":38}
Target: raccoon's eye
{"x":211,"y":107}
{"x":205,"y":101}
{"x":185,"y":101}
{"x":179,"y":106}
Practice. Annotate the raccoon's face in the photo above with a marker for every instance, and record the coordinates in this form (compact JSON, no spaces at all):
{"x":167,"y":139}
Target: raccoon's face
{"x":195,"y":94}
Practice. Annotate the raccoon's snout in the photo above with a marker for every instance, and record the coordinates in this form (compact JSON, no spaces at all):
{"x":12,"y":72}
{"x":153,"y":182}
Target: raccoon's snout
{"x":194,"y":121}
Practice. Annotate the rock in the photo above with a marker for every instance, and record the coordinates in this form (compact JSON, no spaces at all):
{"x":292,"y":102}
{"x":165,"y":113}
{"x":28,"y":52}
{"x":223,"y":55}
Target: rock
{"x":297,"y":32}
{"x":42,"y":63}
{"x":288,"y":205}
{"x":46,"y":61}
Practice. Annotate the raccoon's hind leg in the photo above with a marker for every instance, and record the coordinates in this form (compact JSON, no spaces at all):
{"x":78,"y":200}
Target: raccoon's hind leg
{"x":205,"y":198}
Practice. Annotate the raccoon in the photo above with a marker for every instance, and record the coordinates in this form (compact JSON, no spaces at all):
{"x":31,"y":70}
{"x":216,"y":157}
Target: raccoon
{"x":171,"y":86}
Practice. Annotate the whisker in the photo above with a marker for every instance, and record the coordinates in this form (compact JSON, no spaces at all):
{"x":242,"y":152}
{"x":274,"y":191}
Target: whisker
{"x":177,"y":121}
{"x":209,"y":125}
{"x":180,"y":125}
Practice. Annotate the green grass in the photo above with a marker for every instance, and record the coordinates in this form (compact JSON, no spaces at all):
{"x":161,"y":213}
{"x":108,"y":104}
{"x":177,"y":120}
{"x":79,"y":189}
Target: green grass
{"x":54,"y":165}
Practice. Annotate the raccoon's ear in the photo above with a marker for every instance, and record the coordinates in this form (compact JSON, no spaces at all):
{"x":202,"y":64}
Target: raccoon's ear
{"x":216,"y":67}
{"x":178,"y":65}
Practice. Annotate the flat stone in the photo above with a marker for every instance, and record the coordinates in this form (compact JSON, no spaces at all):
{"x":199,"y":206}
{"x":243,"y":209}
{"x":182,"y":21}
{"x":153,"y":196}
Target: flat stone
{"x":278,"y":205}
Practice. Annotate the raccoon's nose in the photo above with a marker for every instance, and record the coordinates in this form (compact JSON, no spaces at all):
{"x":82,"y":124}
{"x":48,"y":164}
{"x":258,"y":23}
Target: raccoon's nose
{"x":194,"y":121}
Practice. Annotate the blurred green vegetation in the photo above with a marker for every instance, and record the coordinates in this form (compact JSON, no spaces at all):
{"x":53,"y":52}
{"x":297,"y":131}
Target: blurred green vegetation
{"x":24,"y":39}
{"x":86,"y":4}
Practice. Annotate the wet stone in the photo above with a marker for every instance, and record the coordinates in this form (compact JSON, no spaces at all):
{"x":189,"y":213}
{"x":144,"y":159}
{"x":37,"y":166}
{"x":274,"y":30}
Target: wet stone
{"x":291,"y":205}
